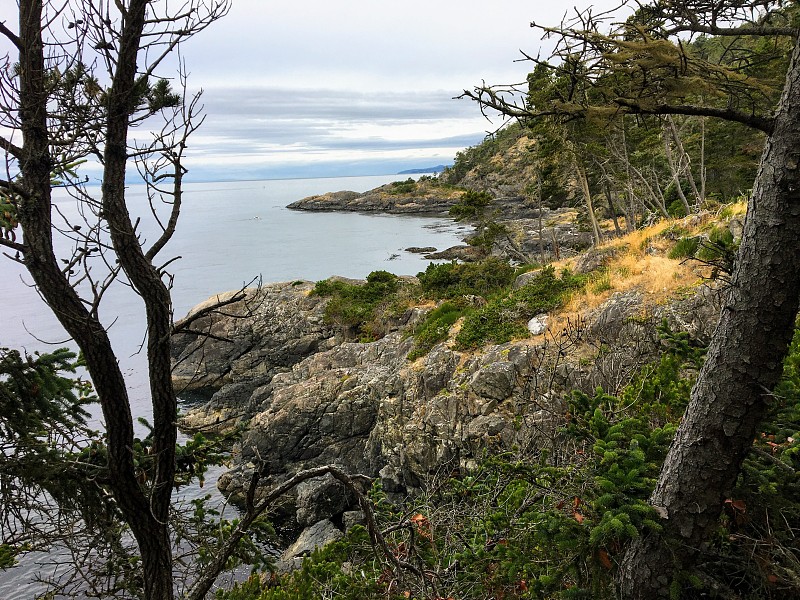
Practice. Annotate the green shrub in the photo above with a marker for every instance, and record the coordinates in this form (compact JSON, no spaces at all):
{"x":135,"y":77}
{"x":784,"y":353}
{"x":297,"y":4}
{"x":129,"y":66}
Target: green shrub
{"x":719,"y":251}
{"x":504,"y":319}
{"x":398,"y":188}
{"x":450,"y":280}
{"x":684,"y":248}
{"x":676,"y":209}
{"x":355,"y":306}
{"x":489,"y":232}
{"x":435,"y":327}
{"x":471,"y":205}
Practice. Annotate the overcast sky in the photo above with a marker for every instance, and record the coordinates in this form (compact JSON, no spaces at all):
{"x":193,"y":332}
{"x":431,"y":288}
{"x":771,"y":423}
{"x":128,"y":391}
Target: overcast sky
{"x":318,"y":87}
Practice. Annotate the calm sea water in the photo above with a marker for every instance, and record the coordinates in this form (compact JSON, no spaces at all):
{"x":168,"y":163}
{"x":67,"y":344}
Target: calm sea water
{"x":229,"y":234}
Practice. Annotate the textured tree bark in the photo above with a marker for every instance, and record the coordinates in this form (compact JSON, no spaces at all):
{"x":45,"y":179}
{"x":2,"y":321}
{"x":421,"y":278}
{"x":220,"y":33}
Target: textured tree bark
{"x":743,"y":364}
{"x":151,"y":528}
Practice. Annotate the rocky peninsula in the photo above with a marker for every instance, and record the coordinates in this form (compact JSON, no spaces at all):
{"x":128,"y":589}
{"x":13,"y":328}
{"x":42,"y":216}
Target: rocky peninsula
{"x":308,"y":393}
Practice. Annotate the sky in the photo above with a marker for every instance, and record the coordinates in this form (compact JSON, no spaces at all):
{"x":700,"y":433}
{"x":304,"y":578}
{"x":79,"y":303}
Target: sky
{"x":324,"y":88}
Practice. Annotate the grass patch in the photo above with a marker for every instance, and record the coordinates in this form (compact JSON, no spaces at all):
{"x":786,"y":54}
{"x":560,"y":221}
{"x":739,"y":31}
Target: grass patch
{"x":600,"y":282}
{"x":435,"y":328}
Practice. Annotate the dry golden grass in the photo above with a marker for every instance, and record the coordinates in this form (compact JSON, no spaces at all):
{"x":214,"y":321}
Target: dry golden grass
{"x":569,"y":216}
{"x":642,"y":265}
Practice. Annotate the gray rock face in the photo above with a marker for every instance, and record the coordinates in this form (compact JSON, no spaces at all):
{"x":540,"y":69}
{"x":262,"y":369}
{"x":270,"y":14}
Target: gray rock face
{"x":463,"y":253}
{"x":595,"y":258}
{"x":316,"y":536}
{"x":235,"y":351}
{"x":377,"y":200}
{"x":321,"y":498}
{"x":367,"y":409}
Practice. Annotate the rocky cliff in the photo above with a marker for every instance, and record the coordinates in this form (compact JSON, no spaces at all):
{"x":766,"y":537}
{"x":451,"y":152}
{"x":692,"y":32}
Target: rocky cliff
{"x":309,"y":396}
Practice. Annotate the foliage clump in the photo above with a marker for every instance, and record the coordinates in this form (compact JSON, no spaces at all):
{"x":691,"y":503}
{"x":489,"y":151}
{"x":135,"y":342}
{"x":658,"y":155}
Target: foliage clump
{"x":435,"y":327}
{"x":504,"y":318}
{"x":685,"y":247}
{"x":451,"y":280}
{"x":459,"y":284}
{"x":399,"y":188}
{"x":356,"y":306}
{"x":471,"y":205}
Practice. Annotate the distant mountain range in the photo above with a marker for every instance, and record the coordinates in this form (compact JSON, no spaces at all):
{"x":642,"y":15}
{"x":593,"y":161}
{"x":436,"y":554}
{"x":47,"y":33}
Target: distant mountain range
{"x":436,"y":169}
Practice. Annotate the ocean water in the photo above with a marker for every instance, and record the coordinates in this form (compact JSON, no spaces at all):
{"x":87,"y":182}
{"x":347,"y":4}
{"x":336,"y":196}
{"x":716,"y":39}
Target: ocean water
{"x":228,"y":234}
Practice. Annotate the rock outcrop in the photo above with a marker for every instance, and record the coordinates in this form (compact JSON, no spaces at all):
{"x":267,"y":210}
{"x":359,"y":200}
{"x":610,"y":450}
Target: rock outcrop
{"x":391,"y":199}
{"x":312,"y":398}
{"x":233,"y":353}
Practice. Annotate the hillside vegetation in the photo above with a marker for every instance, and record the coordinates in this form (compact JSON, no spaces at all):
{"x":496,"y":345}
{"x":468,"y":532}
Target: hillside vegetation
{"x":552,"y":520}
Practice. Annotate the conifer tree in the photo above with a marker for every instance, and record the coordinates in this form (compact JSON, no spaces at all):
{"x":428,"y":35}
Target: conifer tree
{"x":646,"y":65}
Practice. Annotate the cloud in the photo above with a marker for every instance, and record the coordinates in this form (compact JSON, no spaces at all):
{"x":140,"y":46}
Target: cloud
{"x":354,"y":85}
{"x":259,"y":129}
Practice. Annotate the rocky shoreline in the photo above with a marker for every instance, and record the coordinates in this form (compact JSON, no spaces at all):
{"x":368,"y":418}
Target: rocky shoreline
{"x":532,"y":233}
{"x":310,"y":397}
{"x":307,"y":395}
{"x":389,"y":199}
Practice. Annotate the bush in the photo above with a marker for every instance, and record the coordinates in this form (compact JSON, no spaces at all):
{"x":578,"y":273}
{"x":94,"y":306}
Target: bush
{"x":355,"y":306}
{"x":684,"y":248}
{"x":435,"y":327}
{"x":471,"y":205}
{"x":719,"y":251}
{"x":403,"y":187}
{"x":504,"y":319}
{"x":450,"y":280}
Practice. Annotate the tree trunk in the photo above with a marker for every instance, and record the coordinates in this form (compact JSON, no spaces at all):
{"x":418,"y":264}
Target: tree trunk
{"x":673,"y":167}
{"x":743,"y":364}
{"x":150,"y":529}
{"x":146,"y":515}
{"x":684,"y":158}
{"x":587,"y":195}
{"x":539,"y":205}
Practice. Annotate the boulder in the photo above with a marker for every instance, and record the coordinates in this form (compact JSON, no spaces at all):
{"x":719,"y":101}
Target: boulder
{"x":322,"y":498}
{"x":593,"y":259}
{"x":538,"y":324}
{"x":313,"y":537}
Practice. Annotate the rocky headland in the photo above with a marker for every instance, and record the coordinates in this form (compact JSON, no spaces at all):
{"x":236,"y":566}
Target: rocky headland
{"x":530,"y":232}
{"x":308,"y":394}
{"x":423,"y":197}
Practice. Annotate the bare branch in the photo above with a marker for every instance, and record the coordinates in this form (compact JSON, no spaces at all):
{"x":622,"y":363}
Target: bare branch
{"x":12,"y":244}
{"x":10,"y":35}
